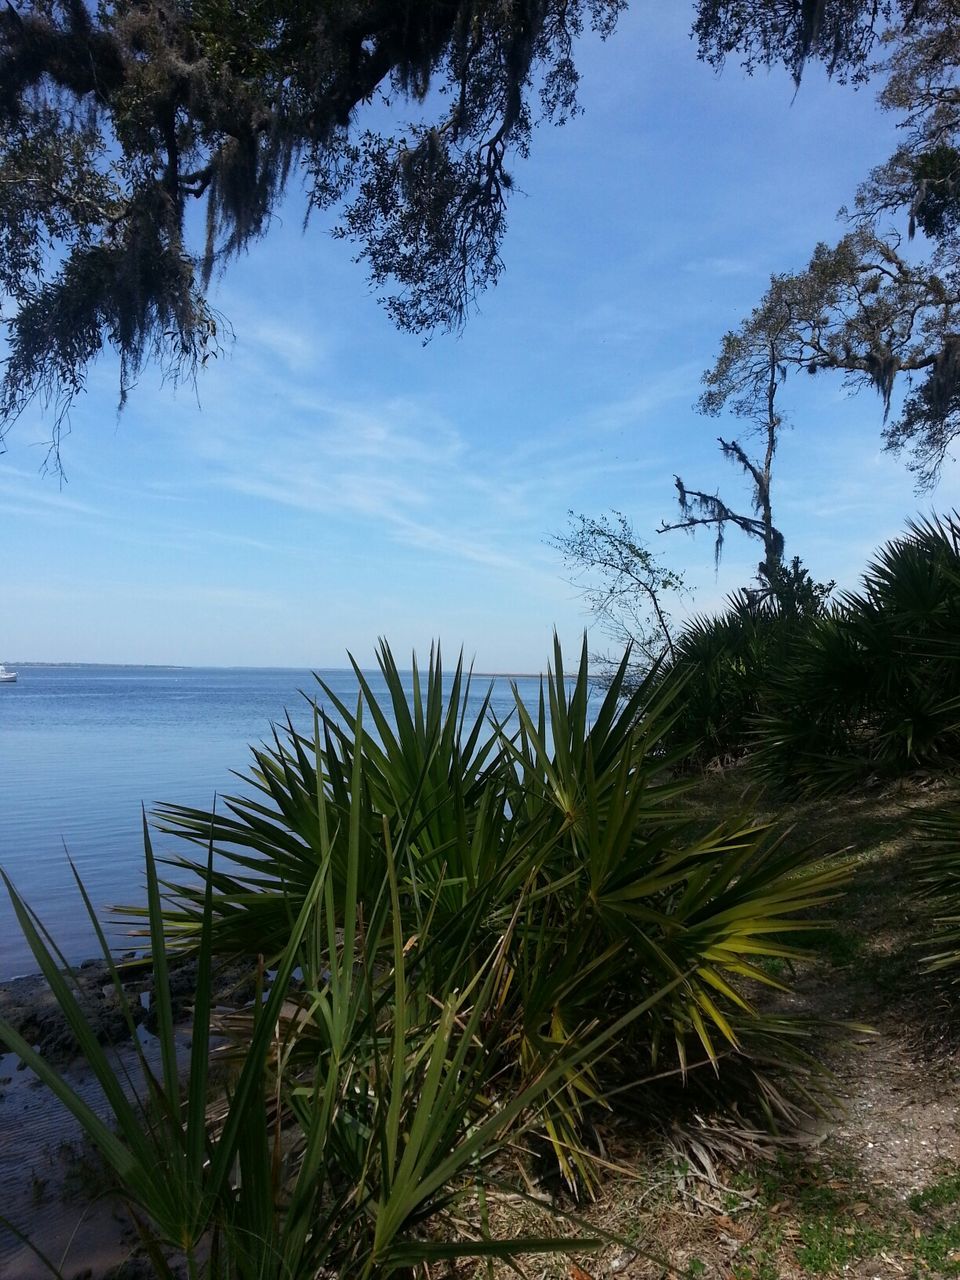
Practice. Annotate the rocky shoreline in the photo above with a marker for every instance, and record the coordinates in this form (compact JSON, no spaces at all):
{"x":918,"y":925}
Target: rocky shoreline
{"x":29,"y":1006}
{"x":51,"y":1182}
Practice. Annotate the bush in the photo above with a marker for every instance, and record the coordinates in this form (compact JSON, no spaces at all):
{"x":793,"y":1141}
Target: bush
{"x":558,"y":840}
{"x":722,"y":665}
{"x":939,"y":878}
{"x":360,"y":1106}
{"x":819,"y":699}
{"x":873,"y":689}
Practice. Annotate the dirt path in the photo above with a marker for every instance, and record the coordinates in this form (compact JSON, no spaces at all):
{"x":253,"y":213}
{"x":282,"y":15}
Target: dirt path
{"x":901,"y":1085}
{"x":875,"y":1191}
{"x":902,"y":1117}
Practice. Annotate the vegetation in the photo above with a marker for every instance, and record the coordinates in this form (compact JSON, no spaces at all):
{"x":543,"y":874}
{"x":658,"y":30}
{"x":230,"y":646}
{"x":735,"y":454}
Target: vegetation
{"x":472,"y":942}
{"x":870,"y":1189}
{"x":619,"y":895}
{"x":822,"y":698}
{"x":116,"y":120}
{"x":491,"y":936}
{"x":939,"y":878}
{"x":843,"y":37}
{"x":865,"y":307}
{"x":627,"y":588}
{"x":356,"y":1113}
{"x":723,"y":664}
{"x":746,"y":378}
{"x":479,"y":938}
{"x":871,"y":690}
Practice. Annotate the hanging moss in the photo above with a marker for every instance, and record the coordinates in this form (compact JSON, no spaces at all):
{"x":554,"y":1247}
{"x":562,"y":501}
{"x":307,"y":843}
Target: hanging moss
{"x":172,"y":102}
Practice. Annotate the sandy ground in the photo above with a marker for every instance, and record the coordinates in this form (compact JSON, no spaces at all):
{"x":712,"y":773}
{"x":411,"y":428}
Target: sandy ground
{"x":50,"y":1183}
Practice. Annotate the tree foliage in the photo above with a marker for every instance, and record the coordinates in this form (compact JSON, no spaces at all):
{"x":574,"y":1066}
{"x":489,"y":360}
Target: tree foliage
{"x":871,"y":307}
{"x":842,"y":34}
{"x":115,"y":122}
{"x":405,"y":116}
{"x":865,"y":309}
{"x":625,"y":585}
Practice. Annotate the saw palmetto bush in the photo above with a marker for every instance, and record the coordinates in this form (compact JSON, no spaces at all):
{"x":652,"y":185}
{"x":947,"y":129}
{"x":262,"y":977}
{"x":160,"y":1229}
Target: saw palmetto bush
{"x":558,"y":837}
{"x":720,"y":665}
{"x":356,"y":1107}
{"x":873,"y":689}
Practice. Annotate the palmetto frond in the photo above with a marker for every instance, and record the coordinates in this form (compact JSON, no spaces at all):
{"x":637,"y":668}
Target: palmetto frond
{"x":874,"y":688}
{"x":559,"y":837}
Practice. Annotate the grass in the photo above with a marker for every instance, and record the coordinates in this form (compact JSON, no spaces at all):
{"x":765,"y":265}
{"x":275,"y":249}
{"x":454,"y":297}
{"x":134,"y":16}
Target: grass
{"x":821,"y":1218}
{"x":940,"y":1194}
{"x":817,"y":1214}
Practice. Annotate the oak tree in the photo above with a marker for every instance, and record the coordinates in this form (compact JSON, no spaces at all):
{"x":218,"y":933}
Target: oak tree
{"x":115,"y":121}
{"x":881,"y":312}
{"x":403,"y":116}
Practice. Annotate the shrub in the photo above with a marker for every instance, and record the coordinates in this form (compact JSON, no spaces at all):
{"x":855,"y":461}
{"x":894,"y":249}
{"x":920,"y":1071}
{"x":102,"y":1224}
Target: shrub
{"x":361,"y":1107}
{"x":872,"y":689}
{"x":559,"y":839}
{"x":939,"y":877}
{"x":820,"y":699}
{"x":722,"y":665}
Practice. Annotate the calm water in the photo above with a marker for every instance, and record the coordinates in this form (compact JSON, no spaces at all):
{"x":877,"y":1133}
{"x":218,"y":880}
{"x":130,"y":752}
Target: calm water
{"x":82,"y":747}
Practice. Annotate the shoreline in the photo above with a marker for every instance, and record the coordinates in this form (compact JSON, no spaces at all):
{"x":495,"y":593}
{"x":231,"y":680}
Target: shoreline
{"x":35,"y":664}
{"x":52,"y":1181}
{"x":49,"y":1177}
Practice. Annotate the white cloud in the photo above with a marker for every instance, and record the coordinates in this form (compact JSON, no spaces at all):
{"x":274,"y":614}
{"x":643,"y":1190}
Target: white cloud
{"x":679,"y":383}
{"x":26,"y":493}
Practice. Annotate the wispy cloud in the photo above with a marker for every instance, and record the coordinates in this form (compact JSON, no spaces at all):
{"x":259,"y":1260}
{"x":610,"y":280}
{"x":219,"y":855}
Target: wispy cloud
{"x":24,"y":493}
{"x":396,"y":464}
{"x":415,"y":503}
{"x":298,"y":348}
{"x":654,"y":394}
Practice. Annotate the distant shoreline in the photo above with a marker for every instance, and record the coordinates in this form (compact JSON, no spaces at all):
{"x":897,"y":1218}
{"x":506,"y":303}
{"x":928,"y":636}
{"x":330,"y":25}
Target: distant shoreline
{"x":180,"y":666}
{"x":125,"y":666}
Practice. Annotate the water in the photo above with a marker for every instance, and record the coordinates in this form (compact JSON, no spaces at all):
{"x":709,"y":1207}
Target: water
{"x":81,"y":748}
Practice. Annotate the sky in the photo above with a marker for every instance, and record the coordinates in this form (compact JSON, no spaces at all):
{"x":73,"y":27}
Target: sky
{"x":332,"y":480}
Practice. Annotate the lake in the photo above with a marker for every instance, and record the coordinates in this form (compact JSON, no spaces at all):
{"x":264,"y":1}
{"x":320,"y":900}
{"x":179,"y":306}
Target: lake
{"x":82,"y":748}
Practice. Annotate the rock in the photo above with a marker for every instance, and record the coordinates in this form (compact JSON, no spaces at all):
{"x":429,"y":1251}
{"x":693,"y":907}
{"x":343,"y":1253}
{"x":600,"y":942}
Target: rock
{"x":29,"y":1006}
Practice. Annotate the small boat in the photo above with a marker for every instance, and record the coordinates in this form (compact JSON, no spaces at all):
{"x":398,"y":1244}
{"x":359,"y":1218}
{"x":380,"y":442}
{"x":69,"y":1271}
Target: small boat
{"x":6,"y":677}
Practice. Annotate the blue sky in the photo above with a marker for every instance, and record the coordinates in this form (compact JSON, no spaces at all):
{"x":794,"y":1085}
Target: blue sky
{"x":334,"y":480}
